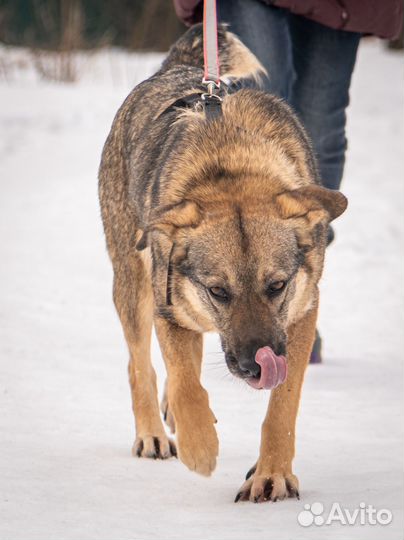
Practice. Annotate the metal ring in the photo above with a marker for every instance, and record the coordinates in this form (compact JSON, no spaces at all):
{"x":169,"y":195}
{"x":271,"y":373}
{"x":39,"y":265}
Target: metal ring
{"x":212,"y":85}
{"x":215,"y":96}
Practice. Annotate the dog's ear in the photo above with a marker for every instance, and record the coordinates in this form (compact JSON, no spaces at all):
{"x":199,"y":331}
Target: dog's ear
{"x":315,"y":202}
{"x":168,"y":219}
{"x":316,"y":206}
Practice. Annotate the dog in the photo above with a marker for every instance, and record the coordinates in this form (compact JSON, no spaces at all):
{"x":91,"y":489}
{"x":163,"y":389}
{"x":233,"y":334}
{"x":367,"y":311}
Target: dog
{"x":214,"y":223}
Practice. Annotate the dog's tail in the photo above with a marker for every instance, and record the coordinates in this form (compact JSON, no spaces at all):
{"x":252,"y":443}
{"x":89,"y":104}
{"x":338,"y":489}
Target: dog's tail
{"x":235,"y":59}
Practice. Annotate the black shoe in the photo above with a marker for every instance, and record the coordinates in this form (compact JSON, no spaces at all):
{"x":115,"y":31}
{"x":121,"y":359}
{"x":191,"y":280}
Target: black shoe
{"x":315,"y":357}
{"x":330,"y":235}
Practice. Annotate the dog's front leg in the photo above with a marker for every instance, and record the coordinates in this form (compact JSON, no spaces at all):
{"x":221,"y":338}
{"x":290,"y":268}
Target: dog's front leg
{"x":197,"y":440}
{"x":272,"y":478}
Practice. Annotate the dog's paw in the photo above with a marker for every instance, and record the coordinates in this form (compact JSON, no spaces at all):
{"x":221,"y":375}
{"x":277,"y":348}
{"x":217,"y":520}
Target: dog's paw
{"x":197,"y":442}
{"x":167,"y":414}
{"x":154,"y":447}
{"x":272,"y":487}
{"x":198,"y":448}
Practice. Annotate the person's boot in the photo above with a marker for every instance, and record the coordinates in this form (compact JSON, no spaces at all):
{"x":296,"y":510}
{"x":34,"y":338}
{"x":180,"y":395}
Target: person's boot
{"x":315,"y":357}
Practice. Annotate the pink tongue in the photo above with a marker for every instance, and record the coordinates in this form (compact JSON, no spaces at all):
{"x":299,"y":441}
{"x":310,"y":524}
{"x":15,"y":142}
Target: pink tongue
{"x":273,"y":369}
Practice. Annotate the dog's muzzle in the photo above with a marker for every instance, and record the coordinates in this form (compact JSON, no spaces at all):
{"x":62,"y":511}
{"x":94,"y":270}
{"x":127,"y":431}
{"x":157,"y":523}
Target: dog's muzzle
{"x":266,"y":371}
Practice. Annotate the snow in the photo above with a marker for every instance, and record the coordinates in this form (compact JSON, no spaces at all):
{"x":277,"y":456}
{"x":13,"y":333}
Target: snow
{"x":66,"y":426}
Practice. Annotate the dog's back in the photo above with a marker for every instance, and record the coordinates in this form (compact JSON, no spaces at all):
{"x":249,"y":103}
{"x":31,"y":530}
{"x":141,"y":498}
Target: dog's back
{"x":141,"y":137}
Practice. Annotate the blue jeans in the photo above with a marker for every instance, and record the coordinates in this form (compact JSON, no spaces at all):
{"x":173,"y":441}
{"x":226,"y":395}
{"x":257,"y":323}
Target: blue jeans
{"x":309,"y":65}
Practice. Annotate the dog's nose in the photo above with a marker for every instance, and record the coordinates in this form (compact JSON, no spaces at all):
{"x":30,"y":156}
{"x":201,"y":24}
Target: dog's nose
{"x":246,"y":359}
{"x":243,"y":358}
{"x":249,"y":367}
{"x":246,"y":356}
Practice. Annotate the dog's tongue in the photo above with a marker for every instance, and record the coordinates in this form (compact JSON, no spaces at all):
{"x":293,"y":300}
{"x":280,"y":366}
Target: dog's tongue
{"x":273,"y":369}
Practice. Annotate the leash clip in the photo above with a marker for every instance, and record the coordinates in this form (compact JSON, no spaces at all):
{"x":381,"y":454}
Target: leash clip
{"x":212,"y":86}
{"x":211,"y":97}
{"x":213,"y":89}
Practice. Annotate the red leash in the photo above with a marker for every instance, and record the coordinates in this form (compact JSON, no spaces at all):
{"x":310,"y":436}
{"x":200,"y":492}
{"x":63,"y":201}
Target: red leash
{"x":210,"y":46}
{"x":211,"y":99}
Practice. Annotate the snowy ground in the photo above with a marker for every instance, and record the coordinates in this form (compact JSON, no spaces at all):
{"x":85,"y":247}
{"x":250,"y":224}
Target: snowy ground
{"x":66,"y":425}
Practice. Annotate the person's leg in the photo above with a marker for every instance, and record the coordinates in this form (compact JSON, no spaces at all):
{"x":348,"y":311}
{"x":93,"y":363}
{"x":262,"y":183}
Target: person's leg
{"x":324,"y":60}
{"x":264,"y":30}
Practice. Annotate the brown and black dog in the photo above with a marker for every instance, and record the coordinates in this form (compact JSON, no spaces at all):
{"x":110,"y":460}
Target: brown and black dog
{"x":214,"y":225}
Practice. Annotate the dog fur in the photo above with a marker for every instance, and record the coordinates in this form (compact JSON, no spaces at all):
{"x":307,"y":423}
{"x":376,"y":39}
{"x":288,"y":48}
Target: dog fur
{"x":193,"y":207}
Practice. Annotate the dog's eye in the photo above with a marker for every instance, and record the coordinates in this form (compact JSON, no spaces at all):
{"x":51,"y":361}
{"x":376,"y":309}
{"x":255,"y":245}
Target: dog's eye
{"x":275,"y":287}
{"x":219,"y":293}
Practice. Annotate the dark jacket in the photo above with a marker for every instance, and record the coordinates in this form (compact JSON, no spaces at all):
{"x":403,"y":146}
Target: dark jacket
{"x":383,"y":18}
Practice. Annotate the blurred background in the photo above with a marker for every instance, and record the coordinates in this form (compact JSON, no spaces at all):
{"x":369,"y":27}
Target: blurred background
{"x":54,"y":29}
{"x":66,"y":24}
{"x":63,"y":26}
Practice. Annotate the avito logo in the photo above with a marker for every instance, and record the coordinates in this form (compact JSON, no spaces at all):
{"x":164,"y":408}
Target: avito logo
{"x":364,"y":514}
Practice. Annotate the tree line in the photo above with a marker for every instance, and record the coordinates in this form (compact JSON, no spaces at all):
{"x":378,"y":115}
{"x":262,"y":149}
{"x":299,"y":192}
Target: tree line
{"x":79,"y":24}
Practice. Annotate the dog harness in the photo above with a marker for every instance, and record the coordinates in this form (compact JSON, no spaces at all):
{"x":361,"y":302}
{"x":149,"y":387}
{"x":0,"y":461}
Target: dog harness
{"x":211,"y":99}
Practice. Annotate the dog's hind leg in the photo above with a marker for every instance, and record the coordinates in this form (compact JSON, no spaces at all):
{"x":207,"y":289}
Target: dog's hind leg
{"x":166,"y":411}
{"x":133,"y":297}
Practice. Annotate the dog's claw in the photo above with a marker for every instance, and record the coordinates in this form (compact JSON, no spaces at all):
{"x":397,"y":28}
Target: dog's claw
{"x":173,"y":449}
{"x":292,"y":490}
{"x":139,"y":449}
{"x":293,"y":493}
{"x":237,"y":497}
{"x":274,"y":487}
{"x":157,"y":447}
{"x":268,"y":489}
{"x":251,"y":472}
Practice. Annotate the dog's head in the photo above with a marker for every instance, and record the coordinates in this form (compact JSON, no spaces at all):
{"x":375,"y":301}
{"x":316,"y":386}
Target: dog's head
{"x":245,"y":269}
